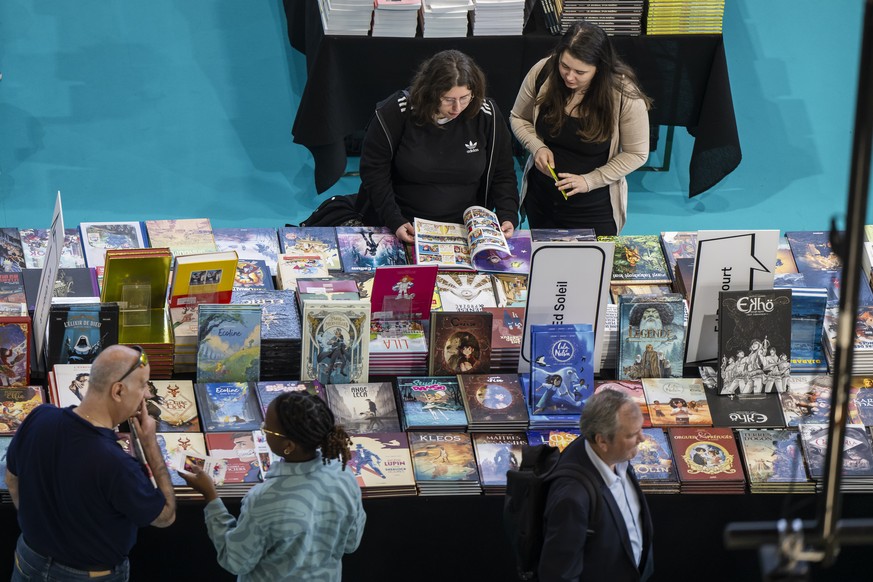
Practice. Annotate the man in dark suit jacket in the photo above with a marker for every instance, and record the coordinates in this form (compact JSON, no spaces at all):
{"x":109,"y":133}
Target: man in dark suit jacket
{"x":618,"y":548}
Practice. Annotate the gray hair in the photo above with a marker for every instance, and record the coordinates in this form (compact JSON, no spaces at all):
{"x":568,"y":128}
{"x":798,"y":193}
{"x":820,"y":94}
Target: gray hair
{"x":600,"y":415}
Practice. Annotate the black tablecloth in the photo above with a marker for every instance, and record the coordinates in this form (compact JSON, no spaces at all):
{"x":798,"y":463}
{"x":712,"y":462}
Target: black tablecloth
{"x":686,"y":75}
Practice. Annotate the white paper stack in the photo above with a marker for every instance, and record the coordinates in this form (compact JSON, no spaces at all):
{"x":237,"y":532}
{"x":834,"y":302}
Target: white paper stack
{"x":346,"y":17}
{"x":445,"y":18}
{"x":498,"y":17}
{"x":397,"y":18}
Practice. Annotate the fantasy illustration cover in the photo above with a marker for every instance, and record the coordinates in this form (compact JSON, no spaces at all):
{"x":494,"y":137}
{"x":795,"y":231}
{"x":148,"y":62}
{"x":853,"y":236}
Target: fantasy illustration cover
{"x":18,"y":402}
{"x":754,"y":333}
{"x":678,"y":245}
{"x":443,"y":456}
{"x":382,"y":460}
{"x":173,"y":405}
{"x":403,"y":292}
{"x":228,"y":406}
{"x":507,"y":325}
{"x":172,"y":444}
{"x":706,"y":454}
{"x":861,"y":396}
{"x":11,"y":251}
{"x":552,"y":437}
{"x":857,"y":454}
{"x":97,"y":238}
{"x":267,"y":391}
{"x":305,"y":240}
{"x":237,"y":449}
{"x":677,"y":401}
{"x":183,"y":236}
{"x":772,"y":456}
{"x":562,"y":376}
{"x":638,"y":259}
{"x":34,"y":243}
{"x":654,"y":458}
{"x":465,"y":291}
{"x":363,"y":248}
{"x":15,"y":339}
{"x":812,"y":251}
{"x":517,"y":261}
{"x":228,"y":343}
{"x":336,"y":341}
{"x":78,"y":333}
{"x":12,"y":288}
{"x":651,"y":336}
{"x":249,"y":243}
{"x":510,"y":290}
{"x":633,"y":388}
{"x":460,"y":343}
{"x":279,"y":316}
{"x":364,"y":408}
{"x":497,"y":453}
{"x":493,"y":398}
{"x":252,"y":274}
{"x":808,"y":401}
{"x":807,"y":323}
{"x":431,"y":401}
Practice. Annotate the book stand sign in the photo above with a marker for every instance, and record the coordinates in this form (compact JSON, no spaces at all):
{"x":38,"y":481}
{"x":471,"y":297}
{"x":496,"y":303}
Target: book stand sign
{"x":726,"y":260}
{"x":46,"y":285}
{"x":568,"y":283}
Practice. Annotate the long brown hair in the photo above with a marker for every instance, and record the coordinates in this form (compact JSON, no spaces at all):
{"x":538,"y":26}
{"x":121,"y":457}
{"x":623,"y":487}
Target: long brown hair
{"x":438,"y":75}
{"x":588,"y":43}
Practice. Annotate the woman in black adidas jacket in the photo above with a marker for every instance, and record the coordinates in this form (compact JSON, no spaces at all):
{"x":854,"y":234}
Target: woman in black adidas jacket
{"x":437,"y":149}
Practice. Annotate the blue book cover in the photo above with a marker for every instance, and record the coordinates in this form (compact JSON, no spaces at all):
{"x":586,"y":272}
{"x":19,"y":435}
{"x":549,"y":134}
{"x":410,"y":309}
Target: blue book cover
{"x":807,"y":321}
{"x":517,"y":261}
{"x":562,"y":373}
{"x":249,"y":243}
{"x":228,"y":406}
{"x":228,"y":343}
{"x":268,"y":390}
{"x":651,"y":336}
{"x":497,"y":453}
{"x":279,"y":316}
{"x":431,"y":401}
{"x":654,"y":458}
{"x":772,"y":456}
{"x":559,"y":438}
{"x":252,"y":274}
{"x":4,"y":446}
{"x":308,"y":240}
{"x":363,"y":248}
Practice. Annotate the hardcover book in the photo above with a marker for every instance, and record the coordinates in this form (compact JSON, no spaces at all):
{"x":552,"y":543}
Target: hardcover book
{"x":638,"y":259}
{"x":808,"y":400}
{"x":403,"y":292}
{"x":753,"y":411}
{"x":706,"y":454}
{"x":493,"y":399}
{"x":807,"y":325}
{"x":812,"y":251}
{"x":857,"y":454}
{"x":772,"y":456}
{"x":443,"y":456}
{"x":237,"y":449}
{"x":228,"y":406}
{"x":563,"y":234}
{"x":174,"y":444}
{"x":456,"y":246}
{"x":553,"y":438}
{"x":15,"y":340}
{"x":651,"y":338}
{"x":293,"y":267}
{"x":279,"y":316}
{"x":267,"y":391}
{"x":431,"y":402}
{"x":506,"y":327}
{"x":382,"y":461}
{"x":336,"y":341}
{"x":517,"y":261}
{"x":249,"y":243}
{"x":678,"y":245}
{"x":677,"y":401}
{"x":465,"y":291}
{"x":497,"y":453}
{"x":173,"y":405}
{"x":633,"y":388}
{"x":11,"y":251}
{"x":34,"y":243}
{"x":307,"y":240}
{"x":363,"y":248}
{"x":18,"y":402}
{"x":136,"y":279}
{"x":76,"y":282}
{"x":78,"y":333}
{"x":12,"y":288}
{"x":562,"y":377}
{"x":203,"y":278}
{"x":510,"y":290}
{"x":183,"y":236}
{"x":460,"y":343}
{"x":754,"y":332}
{"x":69,"y":384}
{"x":326,"y":289}
{"x":98,"y":237}
{"x":252,"y":274}
{"x":862,"y":398}
{"x":364,"y":408}
{"x":5,"y":441}
{"x":654,"y":458}
{"x":228,"y":343}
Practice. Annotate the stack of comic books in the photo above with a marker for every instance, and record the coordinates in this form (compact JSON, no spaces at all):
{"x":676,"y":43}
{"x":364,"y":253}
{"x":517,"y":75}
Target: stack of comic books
{"x":678,"y":245}
{"x":609,"y":357}
{"x":431,"y":403}
{"x":653,"y":464}
{"x":68,"y":383}
{"x":496,"y":453}
{"x":507,"y":327}
{"x":677,"y":402}
{"x":336,"y":341}
{"x":445,"y":19}
{"x":397,"y":347}
{"x":807,"y":400}
{"x":268,"y":390}
{"x":351,"y":17}
{"x":857,"y":456}
{"x":396,"y":18}
{"x":773,"y":461}
{"x":98,"y":237}
{"x":543,"y":420}
{"x":252,"y":274}
{"x":861,"y":397}
{"x":16,"y":337}
{"x":562,"y":375}
{"x":281,"y":331}
{"x":633,"y":388}
{"x":18,"y":402}
{"x":364,"y":408}
{"x":498,"y":17}
{"x":749,"y":411}
{"x":444,"y":463}
{"x":808,"y":306}
{"x":459,"y":343}
{"x":862,"y":359}
{"x":72,"y":285}
{"x":494,"y":402}
{"x":228,"y":343}
{"x":617,"y":18}
{"x":707,"y":460}
{"x":78,"y":333}
{"x":382,"y":464}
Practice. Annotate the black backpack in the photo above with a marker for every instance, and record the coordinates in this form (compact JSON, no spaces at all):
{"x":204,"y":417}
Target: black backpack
{"x":336,"y":211}
{"x":526,"y":490}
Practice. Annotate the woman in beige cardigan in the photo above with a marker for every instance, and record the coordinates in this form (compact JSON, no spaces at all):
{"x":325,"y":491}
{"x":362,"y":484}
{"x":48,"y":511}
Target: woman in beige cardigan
{"x":582,"y":116}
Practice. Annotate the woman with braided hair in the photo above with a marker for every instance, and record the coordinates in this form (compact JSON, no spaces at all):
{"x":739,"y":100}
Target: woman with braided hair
{"x":298,"y":523}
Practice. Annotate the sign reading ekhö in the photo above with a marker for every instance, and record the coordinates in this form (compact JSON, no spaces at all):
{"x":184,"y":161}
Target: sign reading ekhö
{"x":726,"y":260}
{"x":568,"y":283}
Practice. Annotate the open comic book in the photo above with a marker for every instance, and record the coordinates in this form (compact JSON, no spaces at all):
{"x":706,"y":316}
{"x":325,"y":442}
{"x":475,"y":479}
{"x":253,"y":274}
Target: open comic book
{"x":455,"y":246}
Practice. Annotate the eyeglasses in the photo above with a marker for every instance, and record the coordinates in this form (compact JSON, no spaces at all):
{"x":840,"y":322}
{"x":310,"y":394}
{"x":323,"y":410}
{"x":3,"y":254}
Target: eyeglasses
{"x":459,"y":100}
{"x":272,"y":432}
{"x":141,"y":362}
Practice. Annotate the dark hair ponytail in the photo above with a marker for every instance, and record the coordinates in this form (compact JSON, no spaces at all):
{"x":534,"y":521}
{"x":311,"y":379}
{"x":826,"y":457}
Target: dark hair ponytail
{"x":307,"y":421}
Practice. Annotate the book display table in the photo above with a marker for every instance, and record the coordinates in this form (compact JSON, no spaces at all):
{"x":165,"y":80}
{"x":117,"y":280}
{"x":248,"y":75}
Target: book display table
{"x":686,"y":76}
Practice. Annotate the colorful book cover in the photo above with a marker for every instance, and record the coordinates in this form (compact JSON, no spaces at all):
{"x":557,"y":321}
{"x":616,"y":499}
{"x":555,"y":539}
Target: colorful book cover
{"x":785,"y":260}
{"x":552,"y":437}
{"x":403,"y":292}
{"x":497,"y":453}
{"x":238,"y":450}
{"x":754,"y":332}
{"x":74,"y":282}
{"x":293,"y":267}
{"x":34,"y":243}
{"x":382,"y":460}
{"x":807,"y":324}
{"x":812,"y":251}
{"x":857,"y":454}
{"x":228,"y":343}
{"x":267,"y":391}
{"x":11,"y":251}
{"x":706,"y":454}
{"x":493,"y":398}
{"x":78,"y":333}
{"x":460,"y":343}
{"x":616,"y":291}
{"x":401,"y":338}
{"x":677,"y":401}
{"x":364,"y":408}
{"x":443,"y":456}
{"x":228,"y":406}
{"x":563,"y":234}
{"x":173,"y":405}
{"x":465,"y":291}
{"x":15,"y":340}
{"x":772,"y":456}
{"x":562,"y":377}
{"x":633,"y":388}
{"x":517,"y":261}
{"x":98,"y":237}
{"x":252,"y":274}
{"x":510,"y":290}
{"x":638,"y":259}
{"x":862,"y":398}
{"x":507,"y":324}
{"x":174,"y":443}
{"x":70,"y":384}
{"x":203,"y":278}
{"x":654,"y":458}
{"x":336,"y":342}
{"x":183,"y":236}
{"x":651,"y":336}
{"x":307,"y":240}
{"x":678,"y":245}
{"x":431,"y":401}
{"x":363,"y":248}
{"x":12,"y":288}
{"x":808,"y":401}
{"x":249,"y":243}
{"x":18,"y":402}
{"x":279,"y":316}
